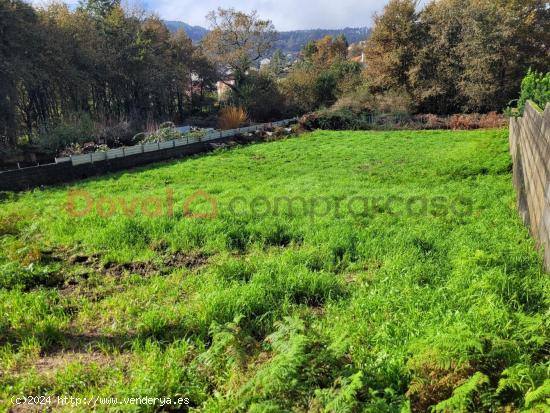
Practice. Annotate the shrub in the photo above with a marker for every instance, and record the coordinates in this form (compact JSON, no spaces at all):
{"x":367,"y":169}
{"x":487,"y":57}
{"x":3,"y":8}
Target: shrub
{"x":536,"y":87}
{"x":259,"y":96}
{"x":115,"y":134}
{"x":8,"y":224}
{"x":360,"y":100}
{"x":346,"y":119}
{"x":160,"y":135}
{"x":232,"y":117}
{"x":75,"y":128}
{"x":476,"y":121}
{"x":335,"y":119}
{"x":393,"y":101}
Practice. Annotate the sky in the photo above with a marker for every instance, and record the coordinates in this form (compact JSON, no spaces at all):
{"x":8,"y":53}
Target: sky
{"x":285,"y":14}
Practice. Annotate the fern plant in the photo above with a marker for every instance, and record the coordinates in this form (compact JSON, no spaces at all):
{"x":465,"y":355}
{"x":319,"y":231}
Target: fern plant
{"x":462,"y":395}
{"x":538,"y":400}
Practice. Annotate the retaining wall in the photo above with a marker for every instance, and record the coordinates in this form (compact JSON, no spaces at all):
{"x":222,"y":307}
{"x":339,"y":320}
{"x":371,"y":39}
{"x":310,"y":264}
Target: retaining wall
{"x":98,"y":163}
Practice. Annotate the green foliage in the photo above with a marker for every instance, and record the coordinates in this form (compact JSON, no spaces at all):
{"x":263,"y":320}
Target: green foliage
{"x":337,"y":119}
{"x":342,"y":399}
{"x":535,"y":86}
{"x":99,"y":8}
{"x":161,"y":135}
{"x":259,"y":95}
{"x":113,"y":65}
{"x":323,"y":75}
{"x":455,"y":55}
{"x":76,"y":128}
{"x":462,"y":395}
{"x":538,"y":399}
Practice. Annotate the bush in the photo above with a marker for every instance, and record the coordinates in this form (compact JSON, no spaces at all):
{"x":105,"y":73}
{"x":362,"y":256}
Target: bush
{"x":117,"y":133}
{"x":309,"y":87}
{"x":160,"y":135}
{"x":536,"y":87}
{"x":343,"y":118}
{"x":360,"y":100}
{"x":393,"y":101}
{"x":259,"y":96}
{"x":476,"y":121}
{"x":75,"y":128}
{"x":232,"y":117}
{"x":335,"y":119}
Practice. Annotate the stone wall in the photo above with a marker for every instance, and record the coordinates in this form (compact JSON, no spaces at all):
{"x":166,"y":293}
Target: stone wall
{"x":530,"y":149}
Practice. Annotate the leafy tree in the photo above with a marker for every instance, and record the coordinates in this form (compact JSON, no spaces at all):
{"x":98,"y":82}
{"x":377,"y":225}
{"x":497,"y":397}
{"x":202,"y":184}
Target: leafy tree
{"x":99,"y":8}
{"x":458,"y":55}
{"x":434,"y":72}
{"x":278,"y":63}
{"x":98,"y":62}
{"x":260,"y":96}
{"x":322,"y":76}
{"x":392,"y":46}
{"x":502,"y":41}
{"x":326,"y":51}
{"x":536,"y":87}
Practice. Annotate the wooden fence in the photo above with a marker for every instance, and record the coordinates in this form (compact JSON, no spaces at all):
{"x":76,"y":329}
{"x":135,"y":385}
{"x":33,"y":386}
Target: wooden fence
{"x":530,"y":149}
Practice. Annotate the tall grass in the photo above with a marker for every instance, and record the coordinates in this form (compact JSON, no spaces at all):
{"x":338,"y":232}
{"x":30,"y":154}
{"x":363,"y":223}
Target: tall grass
{"x":232,"y":117}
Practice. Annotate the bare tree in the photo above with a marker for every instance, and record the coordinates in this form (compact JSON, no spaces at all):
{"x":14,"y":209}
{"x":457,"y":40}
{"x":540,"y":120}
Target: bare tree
{"x":237,"y":40}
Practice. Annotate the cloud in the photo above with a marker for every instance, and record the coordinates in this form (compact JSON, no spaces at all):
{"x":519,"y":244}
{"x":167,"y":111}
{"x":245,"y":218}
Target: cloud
{"x":285,"y":14}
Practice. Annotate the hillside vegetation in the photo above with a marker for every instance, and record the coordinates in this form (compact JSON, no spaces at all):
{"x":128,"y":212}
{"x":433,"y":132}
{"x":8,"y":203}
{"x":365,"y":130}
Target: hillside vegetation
{"x":291,"y":41}
{"x":441,"y":306}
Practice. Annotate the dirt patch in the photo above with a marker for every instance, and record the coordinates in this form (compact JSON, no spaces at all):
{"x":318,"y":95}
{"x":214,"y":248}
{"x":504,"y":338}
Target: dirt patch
{"x":139,"y":268}
{"x":25,"y":408}
{"x":83,"y":259}
{"x":189,"y":260}
{"x":92,"y":293}
{"x":93,"y":263}
{"x":49,"y":364}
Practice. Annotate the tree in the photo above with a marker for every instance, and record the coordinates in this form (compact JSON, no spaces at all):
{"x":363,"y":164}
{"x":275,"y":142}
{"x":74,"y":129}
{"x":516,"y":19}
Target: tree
{"x":16,"y":17}
{"x":472,"y":54}
{"x":501,"y":42}
{"x":437,"y":65}
{"x":99,"y":8}
{"x":326,"y":51}
{"x":322,"y":76}
{"x":235,"y":42}
{"x":260,"y":96}
{"x":98,"y":63}
{"x":277,"y":63}
{"x":392,"y":45}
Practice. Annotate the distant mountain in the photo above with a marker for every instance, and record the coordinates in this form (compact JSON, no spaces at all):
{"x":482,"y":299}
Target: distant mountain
{"x":196,"y":33}
{"x":294,"y":41}
{"x":289,"y":42}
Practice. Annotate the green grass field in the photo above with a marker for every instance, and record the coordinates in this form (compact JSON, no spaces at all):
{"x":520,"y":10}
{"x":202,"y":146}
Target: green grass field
{"x":397,"y":278}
